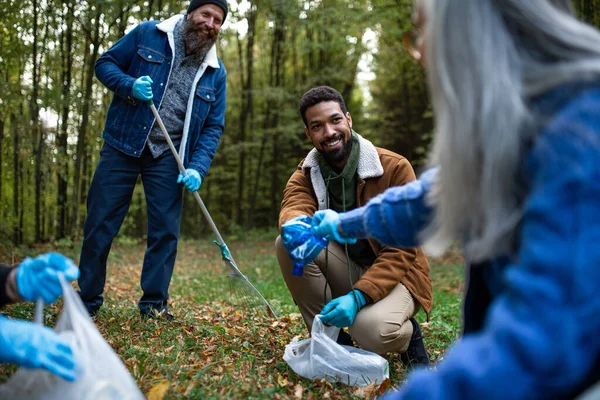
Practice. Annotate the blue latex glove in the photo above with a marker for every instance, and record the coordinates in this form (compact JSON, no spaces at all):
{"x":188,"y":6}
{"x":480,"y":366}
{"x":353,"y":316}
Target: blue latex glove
{"x":34,"y":346}
{"x":326,"y":223}
{"x":38,"y":277}
{"x":301,"y":245}
{"x":341,"y":311}
{"x":142,"y":88}
{"x":192,"y":179}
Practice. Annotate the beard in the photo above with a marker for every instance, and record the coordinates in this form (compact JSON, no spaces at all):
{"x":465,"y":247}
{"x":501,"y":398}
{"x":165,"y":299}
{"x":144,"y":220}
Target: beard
{"x":197,"y":41}
{"x":337,"y":156}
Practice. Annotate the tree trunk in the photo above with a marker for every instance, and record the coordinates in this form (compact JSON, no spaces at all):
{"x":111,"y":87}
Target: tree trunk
{"x":81,"y":136}
{"x":1,"y":153}
{"x":272,"y":113}
{"x":36,"y":134}
{"x":21,"y":201}
{"x":246,"y":112}
{"x":61,"y":135}
{"x":16,"y":182}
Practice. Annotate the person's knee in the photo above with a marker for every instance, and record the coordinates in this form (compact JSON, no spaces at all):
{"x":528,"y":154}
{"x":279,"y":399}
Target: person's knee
{"x":367,"y":331}
{"x":281,"y":252}
{"x":377,"y":333}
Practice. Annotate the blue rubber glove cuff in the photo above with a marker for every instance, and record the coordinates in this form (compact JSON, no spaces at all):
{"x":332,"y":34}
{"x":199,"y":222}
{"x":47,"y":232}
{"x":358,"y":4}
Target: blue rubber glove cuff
{"x":191,"y":180}
{"x":38,"y":277}
{"x":360,"y":297}
{"x":342,"y":311}
{"x":142,"y":88}
{"x":326,"y":223}
{"x":34,"y":346}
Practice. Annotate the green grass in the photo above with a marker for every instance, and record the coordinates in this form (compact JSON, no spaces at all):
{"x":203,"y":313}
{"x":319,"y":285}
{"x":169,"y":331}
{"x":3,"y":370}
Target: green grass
{"x":216,"y":349}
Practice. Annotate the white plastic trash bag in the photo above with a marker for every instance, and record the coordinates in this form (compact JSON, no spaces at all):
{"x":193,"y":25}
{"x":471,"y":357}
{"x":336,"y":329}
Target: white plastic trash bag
{"x":321,"y":357}
{"x":101,"y":373}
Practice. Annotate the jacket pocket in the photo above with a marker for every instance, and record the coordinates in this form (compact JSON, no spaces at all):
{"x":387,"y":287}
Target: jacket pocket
{"x":149,"y":62}
{"x":204,"y":100}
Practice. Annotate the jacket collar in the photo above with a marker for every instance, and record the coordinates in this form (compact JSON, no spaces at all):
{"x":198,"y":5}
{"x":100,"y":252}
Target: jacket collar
{"x":168,"y":26}
{"x":369,"y":165}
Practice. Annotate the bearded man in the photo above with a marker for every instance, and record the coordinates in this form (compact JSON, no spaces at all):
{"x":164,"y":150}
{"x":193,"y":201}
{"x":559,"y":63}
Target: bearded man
{"x":373,"y":289}
{"x":173,"y":63}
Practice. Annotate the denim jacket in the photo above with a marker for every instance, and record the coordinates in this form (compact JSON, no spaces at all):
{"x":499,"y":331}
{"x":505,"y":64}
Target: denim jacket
{"x":148,"y":50}
{"x":531,"y":317}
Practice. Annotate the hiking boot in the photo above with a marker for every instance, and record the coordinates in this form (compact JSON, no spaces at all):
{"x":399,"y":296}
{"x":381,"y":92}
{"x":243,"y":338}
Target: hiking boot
{"x":345,"y":339}
{"x":415,"y":356}
{"x":155,"y":314}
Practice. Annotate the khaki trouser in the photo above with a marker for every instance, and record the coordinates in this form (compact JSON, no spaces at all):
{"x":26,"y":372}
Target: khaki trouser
{"x":381,"y":327}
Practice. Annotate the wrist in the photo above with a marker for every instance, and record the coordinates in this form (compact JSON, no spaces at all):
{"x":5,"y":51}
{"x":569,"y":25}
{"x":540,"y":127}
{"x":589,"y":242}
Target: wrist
{"x":12,"y":290}
{"x":361,"y":298}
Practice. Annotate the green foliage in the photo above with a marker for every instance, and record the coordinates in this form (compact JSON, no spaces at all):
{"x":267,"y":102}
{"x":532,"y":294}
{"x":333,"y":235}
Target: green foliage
{"x":274,"y":50}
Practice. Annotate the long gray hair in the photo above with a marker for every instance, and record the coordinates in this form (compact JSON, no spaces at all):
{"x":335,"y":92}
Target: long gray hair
{"x":485,"y":60}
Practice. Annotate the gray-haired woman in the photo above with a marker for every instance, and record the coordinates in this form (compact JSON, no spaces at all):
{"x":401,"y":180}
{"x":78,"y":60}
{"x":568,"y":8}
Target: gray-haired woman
{"x":515,"y":86}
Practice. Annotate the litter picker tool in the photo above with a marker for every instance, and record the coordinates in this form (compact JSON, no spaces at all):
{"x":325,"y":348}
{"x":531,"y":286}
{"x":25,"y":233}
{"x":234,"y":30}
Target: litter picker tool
{"x":239,"y":283}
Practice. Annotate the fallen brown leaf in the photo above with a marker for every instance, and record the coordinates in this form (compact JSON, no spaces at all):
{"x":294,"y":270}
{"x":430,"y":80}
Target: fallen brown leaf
{"x":365,"y":392}
{"x":282,"y":381}
{"x":158,"y":391}
{"x":298,"y":392}
{"x":385,"y":385}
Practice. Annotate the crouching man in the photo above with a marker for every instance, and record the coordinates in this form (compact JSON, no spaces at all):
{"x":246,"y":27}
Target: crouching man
{"x":372,"y":289}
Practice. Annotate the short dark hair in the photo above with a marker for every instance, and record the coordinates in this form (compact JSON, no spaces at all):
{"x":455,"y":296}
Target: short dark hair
{"x":318,"y":95}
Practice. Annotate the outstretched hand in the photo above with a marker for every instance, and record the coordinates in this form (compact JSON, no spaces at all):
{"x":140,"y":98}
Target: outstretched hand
{"x":326,"y":223}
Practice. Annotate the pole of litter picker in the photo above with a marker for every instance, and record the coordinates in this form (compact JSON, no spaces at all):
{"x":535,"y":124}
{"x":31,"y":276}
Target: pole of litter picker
{"x":182,"y":170}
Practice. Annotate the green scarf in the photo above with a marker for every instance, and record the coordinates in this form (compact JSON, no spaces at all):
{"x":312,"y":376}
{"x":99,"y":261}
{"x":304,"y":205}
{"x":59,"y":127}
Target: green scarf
{"x":341,"y":188}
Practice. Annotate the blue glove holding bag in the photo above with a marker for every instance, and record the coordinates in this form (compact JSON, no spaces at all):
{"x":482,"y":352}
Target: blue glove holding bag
{"x":35,"y":346}
{"x":326,"y":223}
{"x":142,"y":88}
{"x":341,"y":311}
{"x":38,"y":277}
{"x":192,"y":179}
{"x":302,"y":246}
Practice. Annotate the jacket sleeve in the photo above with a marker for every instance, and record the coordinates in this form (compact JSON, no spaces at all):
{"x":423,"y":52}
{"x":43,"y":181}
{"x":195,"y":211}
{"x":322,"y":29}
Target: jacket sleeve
{"x":206,"y":147}
{"x":395,"y":217}
{"x":298,"y":198}
{"x":540,"y":338}
{"x":390,"y":267}
{"x":4,"y":272}
{"x":111,"y":66}
{"x":392,"y":263}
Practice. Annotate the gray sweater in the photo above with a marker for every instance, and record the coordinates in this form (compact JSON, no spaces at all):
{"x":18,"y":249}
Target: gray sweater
{"x":174,"y":104}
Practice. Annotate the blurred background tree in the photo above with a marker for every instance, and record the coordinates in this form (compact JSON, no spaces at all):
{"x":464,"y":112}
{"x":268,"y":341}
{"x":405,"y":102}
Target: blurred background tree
{"x":52,"y":108}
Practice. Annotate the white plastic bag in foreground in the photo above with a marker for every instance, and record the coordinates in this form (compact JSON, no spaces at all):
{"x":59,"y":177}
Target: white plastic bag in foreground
{"x":321,"y":357}
{"x":101,"y":373}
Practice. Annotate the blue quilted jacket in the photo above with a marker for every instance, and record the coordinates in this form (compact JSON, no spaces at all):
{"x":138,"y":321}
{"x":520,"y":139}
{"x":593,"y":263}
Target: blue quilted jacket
{"x":531,"y":318}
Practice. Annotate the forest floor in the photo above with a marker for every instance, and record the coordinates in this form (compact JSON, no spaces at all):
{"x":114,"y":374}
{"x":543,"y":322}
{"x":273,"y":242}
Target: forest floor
{"x":215,"y":349}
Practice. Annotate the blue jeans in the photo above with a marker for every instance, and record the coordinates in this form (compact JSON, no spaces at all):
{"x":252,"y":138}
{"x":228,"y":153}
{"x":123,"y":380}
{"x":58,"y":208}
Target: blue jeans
{"x":108,"y":201}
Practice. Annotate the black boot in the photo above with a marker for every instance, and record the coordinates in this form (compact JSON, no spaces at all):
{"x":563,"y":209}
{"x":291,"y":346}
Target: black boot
{"x":344,"y":338}
{"x":415,"y":356}
{"x":155,"y":314}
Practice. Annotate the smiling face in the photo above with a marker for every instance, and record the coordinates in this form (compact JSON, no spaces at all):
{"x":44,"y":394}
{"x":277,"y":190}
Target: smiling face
{"x":202,"y":27}
{"x":330,"y":131}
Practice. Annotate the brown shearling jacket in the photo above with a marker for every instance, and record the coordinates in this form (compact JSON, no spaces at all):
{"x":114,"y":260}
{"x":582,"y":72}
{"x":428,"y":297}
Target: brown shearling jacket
{"x":378,"y":169}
